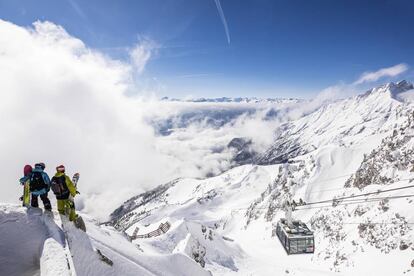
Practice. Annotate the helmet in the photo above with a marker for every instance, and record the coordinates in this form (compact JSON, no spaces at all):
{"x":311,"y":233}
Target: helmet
{"x":41,"y":165}
{"x":60,"y":168}
{"x":27,"y":170}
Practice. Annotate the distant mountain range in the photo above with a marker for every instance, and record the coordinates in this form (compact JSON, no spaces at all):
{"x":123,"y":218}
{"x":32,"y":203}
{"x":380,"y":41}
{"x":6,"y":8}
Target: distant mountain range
{"x":234,"y":100}
{"x":216,"y":112}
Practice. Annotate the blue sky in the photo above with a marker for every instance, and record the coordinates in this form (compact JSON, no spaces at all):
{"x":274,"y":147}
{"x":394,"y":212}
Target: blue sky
{"x":277,"y":48}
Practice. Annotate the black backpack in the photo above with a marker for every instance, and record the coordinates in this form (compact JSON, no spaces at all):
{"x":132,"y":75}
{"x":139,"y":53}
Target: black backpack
{"x":37,"y":182}
{"x":59,"y":187}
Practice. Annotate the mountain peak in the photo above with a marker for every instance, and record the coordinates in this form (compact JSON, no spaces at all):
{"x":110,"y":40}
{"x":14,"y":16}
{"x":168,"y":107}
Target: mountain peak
{"x":391,"y":88}
{"x":405,"y":85}
{"x":399,"y":87}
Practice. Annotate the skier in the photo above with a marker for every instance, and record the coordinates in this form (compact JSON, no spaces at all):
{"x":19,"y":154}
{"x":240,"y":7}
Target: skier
{"x":40,"y":186}
{"x":63,"y":189}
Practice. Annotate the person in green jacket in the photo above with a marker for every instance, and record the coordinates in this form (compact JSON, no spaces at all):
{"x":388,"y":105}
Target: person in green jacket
{"x":65,"y":191}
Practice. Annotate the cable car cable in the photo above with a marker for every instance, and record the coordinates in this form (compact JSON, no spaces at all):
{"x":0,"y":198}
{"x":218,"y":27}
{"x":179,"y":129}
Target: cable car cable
{"x":360,"y":195}
{"x":344,"y":199}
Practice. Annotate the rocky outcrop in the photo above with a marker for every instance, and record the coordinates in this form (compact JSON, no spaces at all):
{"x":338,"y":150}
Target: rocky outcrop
{"x":394,"y":155}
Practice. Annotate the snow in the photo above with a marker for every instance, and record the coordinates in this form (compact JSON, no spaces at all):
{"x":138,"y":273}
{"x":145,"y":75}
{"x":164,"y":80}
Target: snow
{"x":21,"y":241}
{"x":34,"y":243}
{"x":53,"y":259}
{"x":224,"y":225}
{"x":240,"y":206}
{"x":237,"y":249}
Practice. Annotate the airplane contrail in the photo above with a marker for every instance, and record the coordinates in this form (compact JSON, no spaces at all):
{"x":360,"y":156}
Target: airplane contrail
{"x":223,"y":19}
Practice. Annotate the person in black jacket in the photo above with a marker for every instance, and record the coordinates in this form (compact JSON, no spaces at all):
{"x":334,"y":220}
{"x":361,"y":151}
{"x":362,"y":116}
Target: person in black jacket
{"x":40,"y":186}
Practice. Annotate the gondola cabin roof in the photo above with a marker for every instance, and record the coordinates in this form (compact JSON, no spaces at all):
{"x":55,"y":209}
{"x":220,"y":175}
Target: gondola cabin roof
{"x":297,"y":230}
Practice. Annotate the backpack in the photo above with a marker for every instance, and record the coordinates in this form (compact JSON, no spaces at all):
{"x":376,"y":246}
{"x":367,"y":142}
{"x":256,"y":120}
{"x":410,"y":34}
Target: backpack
{"x":37,"y":182}
{"x":59,"y":187}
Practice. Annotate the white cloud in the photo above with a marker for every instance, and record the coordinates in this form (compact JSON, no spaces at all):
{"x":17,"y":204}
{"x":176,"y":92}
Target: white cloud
{"x":64,"y":103}
{"x":141,"y":53}
{"x":384,"y":72}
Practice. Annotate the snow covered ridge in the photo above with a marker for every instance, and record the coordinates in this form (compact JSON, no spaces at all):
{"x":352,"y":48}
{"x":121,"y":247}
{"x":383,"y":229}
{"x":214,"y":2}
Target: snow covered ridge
{"x":348,"y":148}
{"x":392,"y":88}
{"x":33,"y":243}
{"x":340,"y":122}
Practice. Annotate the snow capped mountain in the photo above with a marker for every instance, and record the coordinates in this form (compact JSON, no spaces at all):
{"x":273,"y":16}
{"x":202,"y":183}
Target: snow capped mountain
{"x":348,"y":165}
{"x":340,"y":123}
{"x":335,"y":159}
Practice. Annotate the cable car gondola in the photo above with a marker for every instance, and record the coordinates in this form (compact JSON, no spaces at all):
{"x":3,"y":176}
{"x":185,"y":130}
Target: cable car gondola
{"x":294,"y":235}
{"x":296,"y":238}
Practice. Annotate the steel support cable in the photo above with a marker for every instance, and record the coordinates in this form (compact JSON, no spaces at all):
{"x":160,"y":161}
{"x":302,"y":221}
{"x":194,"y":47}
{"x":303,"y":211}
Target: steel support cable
{"x":376,"y":198}
{"x":341,"y":201}
{"x":351,"y":202}
{"x":379,"y":223}
{"x":360,"y":195}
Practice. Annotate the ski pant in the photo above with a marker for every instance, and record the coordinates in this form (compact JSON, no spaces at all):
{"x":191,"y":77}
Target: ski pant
{"x":44,"y":198}
{"x":67,"y":207}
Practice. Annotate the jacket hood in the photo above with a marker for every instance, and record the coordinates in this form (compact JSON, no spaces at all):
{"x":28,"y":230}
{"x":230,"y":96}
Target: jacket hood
{"x":38,"y":169}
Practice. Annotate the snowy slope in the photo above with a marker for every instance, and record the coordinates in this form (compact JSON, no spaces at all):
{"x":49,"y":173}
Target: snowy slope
{"x":33,"y":243}
{"x":225,"y":225}
{"x":214,"y":215}
{"x":228,"y":221}
{"x":341,"y":123}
